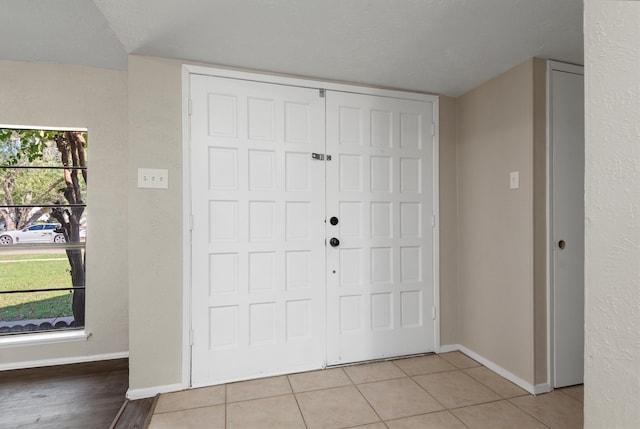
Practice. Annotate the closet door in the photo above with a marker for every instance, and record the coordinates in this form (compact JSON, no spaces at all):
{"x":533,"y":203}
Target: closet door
{"x":258,"y":251}
{"x":380,"y":290}
{"x":567,"y":146}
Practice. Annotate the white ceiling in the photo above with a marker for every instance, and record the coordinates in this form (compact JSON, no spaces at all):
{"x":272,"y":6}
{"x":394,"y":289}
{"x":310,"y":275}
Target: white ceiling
{"x":440,"y":46}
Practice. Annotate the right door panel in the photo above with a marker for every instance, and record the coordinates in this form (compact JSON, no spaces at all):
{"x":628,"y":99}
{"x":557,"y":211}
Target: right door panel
{"x":380,"y":282}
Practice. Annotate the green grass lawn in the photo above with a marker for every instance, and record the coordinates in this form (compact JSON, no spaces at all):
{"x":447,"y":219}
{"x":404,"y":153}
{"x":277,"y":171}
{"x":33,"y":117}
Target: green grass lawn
{"x":31,"y":256}
{"x":44,"y":273}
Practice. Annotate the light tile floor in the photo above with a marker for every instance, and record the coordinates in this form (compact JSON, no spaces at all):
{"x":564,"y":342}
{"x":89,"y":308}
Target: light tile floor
{"x":446,"y":391}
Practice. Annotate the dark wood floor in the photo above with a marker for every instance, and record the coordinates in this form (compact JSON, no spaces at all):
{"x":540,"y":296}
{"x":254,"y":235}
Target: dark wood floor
{"x":136,"y":414}
{"x":86,"y":395}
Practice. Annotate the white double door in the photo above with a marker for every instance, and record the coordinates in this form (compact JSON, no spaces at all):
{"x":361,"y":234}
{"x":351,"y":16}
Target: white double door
{"x":272,"y":292}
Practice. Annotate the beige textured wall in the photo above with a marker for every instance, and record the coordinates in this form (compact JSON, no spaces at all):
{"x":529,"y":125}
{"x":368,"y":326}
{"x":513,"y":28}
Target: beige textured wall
{"x":99,"y":103}
{"x":495,"y":224}
{"x":155,"y":241}
{"x":448,"y":223}
{"x":40,"y":94}
{"x":612,"y":207}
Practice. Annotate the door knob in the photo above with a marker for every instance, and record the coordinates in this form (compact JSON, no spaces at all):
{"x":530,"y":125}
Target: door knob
{"x":561,"y":244}
{"x":334,"y":242}
{"x":333,"y":220}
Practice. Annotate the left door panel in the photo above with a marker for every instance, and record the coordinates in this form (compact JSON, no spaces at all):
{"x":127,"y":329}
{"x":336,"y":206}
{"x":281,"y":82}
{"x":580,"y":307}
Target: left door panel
{"x":258,"y":252}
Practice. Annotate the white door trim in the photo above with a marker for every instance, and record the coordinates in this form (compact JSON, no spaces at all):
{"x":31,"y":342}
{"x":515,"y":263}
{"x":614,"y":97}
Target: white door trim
{"x":308,"y":83}
{"x":187,"y":71}
{"x":569,"y":68}
{"x":186,"y":229}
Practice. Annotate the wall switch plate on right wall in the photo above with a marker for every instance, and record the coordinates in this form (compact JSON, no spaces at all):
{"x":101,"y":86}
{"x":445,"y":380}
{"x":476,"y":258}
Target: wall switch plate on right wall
{"x":514,"y":180}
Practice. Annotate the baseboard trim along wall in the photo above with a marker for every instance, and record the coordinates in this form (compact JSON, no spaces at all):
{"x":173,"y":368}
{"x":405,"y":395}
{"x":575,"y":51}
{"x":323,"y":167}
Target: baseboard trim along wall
{"x":149,"y":392}
{"x":62,"y":361}
{"x":449,"y":348}
{"x":535,"y":390}
{"x":542,"y":388}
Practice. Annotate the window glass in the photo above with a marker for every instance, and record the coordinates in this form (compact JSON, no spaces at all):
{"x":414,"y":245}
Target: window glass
{"x":43,"y":220}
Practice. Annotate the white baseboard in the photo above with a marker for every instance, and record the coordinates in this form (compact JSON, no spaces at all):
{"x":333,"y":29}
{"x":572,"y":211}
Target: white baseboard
{"x":62,"y":361}
{"x":149,"y":392}
{"x":539,"y":389}
{"x":449,"y":348}
{"x":535,"y":390}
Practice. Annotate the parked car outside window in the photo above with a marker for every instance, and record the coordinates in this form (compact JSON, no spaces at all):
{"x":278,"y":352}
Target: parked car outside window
{"x":37,"y":233}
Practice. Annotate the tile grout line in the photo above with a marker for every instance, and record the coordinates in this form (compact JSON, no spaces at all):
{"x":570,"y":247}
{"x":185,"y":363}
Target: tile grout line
{"x":156,"y":413}
{"x":458,"y":419}
{"x":462,"y":370}
{"x":451,"y":411}
{"x":448,"y":410}
{"x":445,"y":409}
{"x":295,"y":397}
{"x":529,"y":414}
{"x":367,"y":424}
{"x":349,"y":377}
{"x":561,"y":390}
{"x":368,"y":403}
{"x":316,"y":389}
{"x":488,"y":387}
{"x":398,"y":378}
{"x":259,"y":398}
{"x":482,"y":403}
{"x":398,"y":366}
{"x":429,"y":393}
{"x":493,"y":402}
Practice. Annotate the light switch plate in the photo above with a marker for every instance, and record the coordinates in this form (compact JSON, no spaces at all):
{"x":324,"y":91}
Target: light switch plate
{"x":514,"y":180}
{"x":153,"y":178}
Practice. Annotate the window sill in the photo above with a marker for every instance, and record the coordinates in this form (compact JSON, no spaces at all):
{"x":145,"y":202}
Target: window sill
{"x":44,"y":338}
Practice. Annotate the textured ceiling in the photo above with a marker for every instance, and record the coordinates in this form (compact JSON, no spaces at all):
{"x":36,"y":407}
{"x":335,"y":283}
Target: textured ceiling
{"x":440,"y":46}
{"x":58,"y":31}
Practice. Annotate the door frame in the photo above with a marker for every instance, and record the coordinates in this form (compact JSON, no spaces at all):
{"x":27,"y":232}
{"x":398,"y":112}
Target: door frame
{"x":575,"y":69}
{"x":187,"y":71}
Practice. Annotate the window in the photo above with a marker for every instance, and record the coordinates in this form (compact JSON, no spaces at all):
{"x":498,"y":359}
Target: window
{"x":43,"y":201}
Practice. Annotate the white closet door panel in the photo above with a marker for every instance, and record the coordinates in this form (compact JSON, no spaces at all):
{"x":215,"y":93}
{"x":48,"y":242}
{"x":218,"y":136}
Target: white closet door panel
{"x":568,"y":227}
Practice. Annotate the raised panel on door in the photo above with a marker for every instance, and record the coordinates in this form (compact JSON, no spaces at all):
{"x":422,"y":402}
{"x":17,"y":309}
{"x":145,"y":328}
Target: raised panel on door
{"x":380,"y":290}
{"x":258,"y":277}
